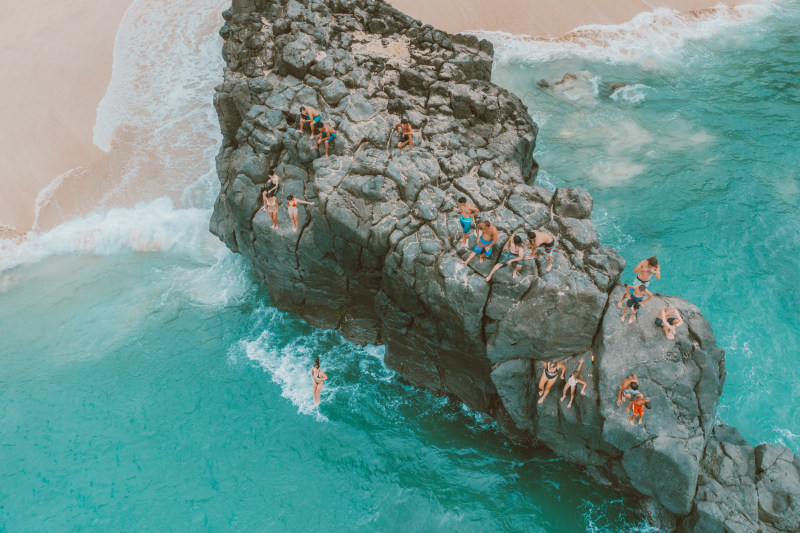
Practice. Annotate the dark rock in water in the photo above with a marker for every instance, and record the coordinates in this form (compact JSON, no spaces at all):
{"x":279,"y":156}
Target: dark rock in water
{"x":377,"y":256}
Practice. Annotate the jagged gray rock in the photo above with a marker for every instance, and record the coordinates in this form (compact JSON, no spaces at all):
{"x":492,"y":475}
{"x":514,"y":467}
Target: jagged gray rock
{"x":378,"y":258}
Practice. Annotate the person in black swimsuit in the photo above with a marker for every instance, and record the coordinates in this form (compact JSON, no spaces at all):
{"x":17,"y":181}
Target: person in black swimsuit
{"x":549,"y":376}
{"x":318,"y":377}
{"x":403,"y":130}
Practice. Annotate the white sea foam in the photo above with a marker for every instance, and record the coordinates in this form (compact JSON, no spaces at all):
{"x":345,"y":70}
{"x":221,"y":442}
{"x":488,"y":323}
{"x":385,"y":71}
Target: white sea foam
{"x":657,"y":35}
{"x":631,"y":94}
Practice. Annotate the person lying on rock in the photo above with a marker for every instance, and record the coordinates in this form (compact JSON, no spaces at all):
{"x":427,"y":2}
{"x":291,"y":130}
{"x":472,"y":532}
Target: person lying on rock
{"x":549,"y":376}
{"x":645,"y":270}
{"x":271,"y":207}
{"x":487,"y":236}
{"x":669,"y":319}
{"x":513,"y":252}
{"x":540,"y":239}
{"x":292,"y":209}
{"x":638,"y":404}
{"x":310,"y":115}
{"x":628,"y":389}
{"x":403,"y":130}
{"x":326,"y":134}
{"x":635,"y":301}
{"x":465,"y":213}
{"x":572,"y":383}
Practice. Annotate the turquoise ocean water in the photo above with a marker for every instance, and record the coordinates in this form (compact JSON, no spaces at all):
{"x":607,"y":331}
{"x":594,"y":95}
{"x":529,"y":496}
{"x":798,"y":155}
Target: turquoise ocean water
{"x":146,"y":383}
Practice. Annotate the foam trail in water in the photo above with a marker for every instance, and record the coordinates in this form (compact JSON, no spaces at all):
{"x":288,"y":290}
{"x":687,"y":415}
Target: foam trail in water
{"x":657,"y":35}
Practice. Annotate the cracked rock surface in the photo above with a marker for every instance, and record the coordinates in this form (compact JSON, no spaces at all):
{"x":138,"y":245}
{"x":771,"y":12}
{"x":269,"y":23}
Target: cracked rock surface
{"x":377,"y":256}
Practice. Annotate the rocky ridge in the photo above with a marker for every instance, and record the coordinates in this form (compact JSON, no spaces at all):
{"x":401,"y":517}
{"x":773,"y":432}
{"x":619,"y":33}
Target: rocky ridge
{"x":377,"y":256}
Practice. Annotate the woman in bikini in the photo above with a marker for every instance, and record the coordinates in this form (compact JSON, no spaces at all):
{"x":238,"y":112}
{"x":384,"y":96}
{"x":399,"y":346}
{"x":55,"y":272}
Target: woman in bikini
{"x":292,"y":208}
{"x":572,"y":383}
{"x":318,"y":377}
{"x":271,"y":207}
{"x":549,"y":377}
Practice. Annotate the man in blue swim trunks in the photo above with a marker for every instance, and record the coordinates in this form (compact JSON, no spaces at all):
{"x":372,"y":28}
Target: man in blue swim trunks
{"x":540,"y":239}
{"x":487,"y":236}
{"x":636,"y":300}
{"x":311,"y":115}
{"x":465,"y":213}
{"x":405,"y":132}
{"x":645,"y":271}
{"x":326,"y":134}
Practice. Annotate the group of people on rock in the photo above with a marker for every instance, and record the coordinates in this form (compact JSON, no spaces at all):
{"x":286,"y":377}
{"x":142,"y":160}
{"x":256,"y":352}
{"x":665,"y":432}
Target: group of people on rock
{"x":550,"y":375}
{"x":269,"y":195}
{"x":629,"y":391}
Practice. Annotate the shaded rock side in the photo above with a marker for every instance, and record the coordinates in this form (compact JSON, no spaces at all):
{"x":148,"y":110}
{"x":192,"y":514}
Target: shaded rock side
{"x":377,"y":256}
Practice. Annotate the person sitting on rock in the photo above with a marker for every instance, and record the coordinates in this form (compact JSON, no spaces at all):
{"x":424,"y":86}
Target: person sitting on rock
{"x":635,"y":301}
{"x":310,"y":115}
{"x":549,"y":376}
{"x":513,"y":252}
{"x":403,"y":130}
{"x":487,"y":236}
{"x":572,"y":383}
{"x":669,"y":319}
{"x":271,"y":207}
{"x":540,"y":239}
{"x":327,"y":134}
{"x":292,"y":209}
{"x":644,"y":273}
{"x":638,"y":404}
{"x":628,"y":389}
{"x":465,"y":213}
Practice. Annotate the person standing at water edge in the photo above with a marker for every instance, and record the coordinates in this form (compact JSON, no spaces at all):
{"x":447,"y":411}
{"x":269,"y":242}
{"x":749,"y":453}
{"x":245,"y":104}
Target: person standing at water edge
{"x":465,"y":213}
{"x":292,"y":209}
{"x":540,"y":239}
{"x":318,"y":377}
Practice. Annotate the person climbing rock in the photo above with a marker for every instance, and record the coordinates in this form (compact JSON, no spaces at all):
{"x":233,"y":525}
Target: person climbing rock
{"x":406,"y":133}
{"x":273,"y":182}
{"x":292,"y":209}
{"x":572,"y":383}
{"x":669,"y":319}
{"x":635,"y":301}
{"x":466,"y":212}
{"x":326,"y":134}
{"x":513,"y":252}
{"x":549,"y":376}
{"x":628,"y":389}
{"x":487,"y":236}
{"x":638,"y":404}
{"x":310,"y":115}
{"x":545,"y":241}
{"x":271,"y":207}
{"x":318,"y":378}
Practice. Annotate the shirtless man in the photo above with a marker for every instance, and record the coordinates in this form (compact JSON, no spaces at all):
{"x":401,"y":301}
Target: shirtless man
{"x":326,"y":134}
{"x":309,"y":114}
{"x":645,"y":270}
{"x":638,"y":404}
{"x":513,"y":252}
{"x":540,"y":239}
{"x":465,"y":213}
{"x":488,"y":234}
{"x":273,"y":181}
{"x":669,"y":319}
{"x":628,"y":389}
{"x":636,"y":299}
{"x":405,"y":132}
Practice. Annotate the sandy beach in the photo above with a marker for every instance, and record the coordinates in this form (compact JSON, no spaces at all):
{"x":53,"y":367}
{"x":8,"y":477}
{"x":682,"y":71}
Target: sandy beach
{"x":55,"y":62}
{"x":538,"y":18}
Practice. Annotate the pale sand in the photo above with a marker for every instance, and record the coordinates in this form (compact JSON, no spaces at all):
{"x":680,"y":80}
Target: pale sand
{"x":55,"y":65}
{"x":538,"y":18}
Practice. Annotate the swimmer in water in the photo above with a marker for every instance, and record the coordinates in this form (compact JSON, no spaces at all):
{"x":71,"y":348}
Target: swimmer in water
{"x":318,"y":377}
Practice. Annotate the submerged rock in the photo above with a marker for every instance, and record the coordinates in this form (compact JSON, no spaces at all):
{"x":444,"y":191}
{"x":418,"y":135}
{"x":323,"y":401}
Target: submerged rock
{"x":377,"y":256}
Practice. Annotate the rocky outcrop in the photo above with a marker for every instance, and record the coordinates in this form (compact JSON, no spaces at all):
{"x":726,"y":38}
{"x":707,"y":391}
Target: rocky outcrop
{"x":377,"y":256}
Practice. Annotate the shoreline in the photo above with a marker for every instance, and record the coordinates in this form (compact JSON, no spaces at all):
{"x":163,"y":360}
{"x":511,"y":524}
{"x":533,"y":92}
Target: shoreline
{"x":541,"y":19}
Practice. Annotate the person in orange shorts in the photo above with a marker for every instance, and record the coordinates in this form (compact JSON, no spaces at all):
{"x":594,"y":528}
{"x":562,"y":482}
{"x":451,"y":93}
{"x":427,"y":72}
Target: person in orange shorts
{"x":638,"y":404}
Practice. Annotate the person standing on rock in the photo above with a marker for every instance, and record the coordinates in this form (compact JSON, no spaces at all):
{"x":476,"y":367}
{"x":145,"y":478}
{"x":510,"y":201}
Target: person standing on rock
{"x":292,"y":209}
{"x":637,"y":294}
{"x":540,"y":239}
{"x":403,"y":130}
{"x":273,"y":181}
{"x":326,"y":134}
{"x":487,"y":235}
{"x":669,"y":319}
{"x":645,"y":271}
{"x":572,"y":383}
{"x":638,"y":404}
{"x":628,"y":389}
{"x":549,"y":376}
{"x":465,"y":213}
{"x":318,"y":377}
{"x":271,"y":207}
{"x":310,"y":115}
{"x":513,"y":252}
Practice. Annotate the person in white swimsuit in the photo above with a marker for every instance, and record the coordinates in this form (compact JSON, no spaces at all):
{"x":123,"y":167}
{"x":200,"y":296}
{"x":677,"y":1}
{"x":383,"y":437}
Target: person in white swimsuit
{"x":572,"y":383}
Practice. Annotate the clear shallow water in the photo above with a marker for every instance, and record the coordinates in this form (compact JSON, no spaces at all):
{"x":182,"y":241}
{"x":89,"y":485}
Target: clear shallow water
{"x":696,"y":161}
{"x":147,"y":383}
